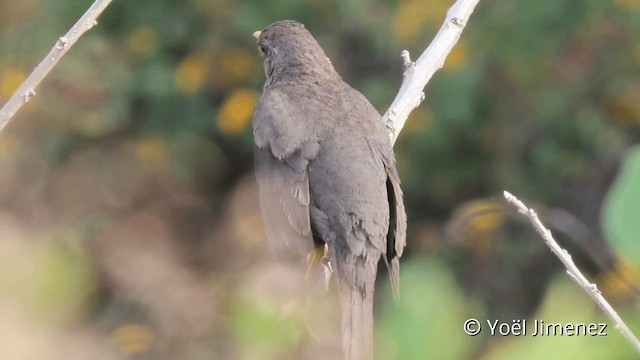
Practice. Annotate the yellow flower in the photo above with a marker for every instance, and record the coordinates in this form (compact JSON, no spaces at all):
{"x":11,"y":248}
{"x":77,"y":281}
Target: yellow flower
{"x":483,"y":216}
{"x":411,"y":16}
{"x":619,"y":283}
{"x":152,"y":151}
{"x":457,"y":57}
{"x":236,"y":110}
{"x":626,"y":108}
{"x":132,"y":338}
{"x":11,"y":77}
{"x":143,"y":40}
{"x":191,"y":72}
{"x":419,"y":119}
{"x":628,"y":4}
{"x":237,"y":64}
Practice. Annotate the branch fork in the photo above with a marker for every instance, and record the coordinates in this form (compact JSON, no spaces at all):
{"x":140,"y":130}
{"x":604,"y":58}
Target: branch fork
{"x":417,"y":74}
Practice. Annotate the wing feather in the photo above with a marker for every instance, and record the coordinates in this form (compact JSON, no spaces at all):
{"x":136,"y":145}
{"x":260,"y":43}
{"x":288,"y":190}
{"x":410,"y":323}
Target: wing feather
{"x":397,"y":232}
{"x":282,"y":153}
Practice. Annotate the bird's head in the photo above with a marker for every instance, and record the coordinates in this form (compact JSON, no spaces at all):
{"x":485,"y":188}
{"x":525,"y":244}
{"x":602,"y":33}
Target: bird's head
{"x":291,"y":53}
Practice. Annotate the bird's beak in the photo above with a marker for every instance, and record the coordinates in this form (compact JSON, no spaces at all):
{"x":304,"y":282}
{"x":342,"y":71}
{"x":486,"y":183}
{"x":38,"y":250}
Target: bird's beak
{"x":256,"y":35}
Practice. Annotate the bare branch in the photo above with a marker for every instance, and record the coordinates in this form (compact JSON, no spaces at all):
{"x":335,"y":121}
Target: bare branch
{"x":417,"y":75}
{"x":572,"y":269}
{"x":26,"y":91}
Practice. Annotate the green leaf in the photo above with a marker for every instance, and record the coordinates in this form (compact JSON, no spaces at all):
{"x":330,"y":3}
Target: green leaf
{"x":623,"y":206}
{"x":428,"y":321}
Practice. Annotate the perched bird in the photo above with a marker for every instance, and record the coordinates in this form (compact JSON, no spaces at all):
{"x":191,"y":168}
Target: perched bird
{"x":326,"y":174}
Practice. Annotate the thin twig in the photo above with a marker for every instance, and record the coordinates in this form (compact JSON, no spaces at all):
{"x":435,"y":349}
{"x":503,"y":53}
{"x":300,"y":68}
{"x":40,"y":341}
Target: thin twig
{"x":417,"y":75}
{"x":26,"y":91}
{"x":572,"y":269}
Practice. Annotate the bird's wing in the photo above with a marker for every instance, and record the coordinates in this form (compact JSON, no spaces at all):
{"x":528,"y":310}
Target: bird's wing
{"x":282,"y":152}
{"x":397,"y":233}
{"x":397,"y":236}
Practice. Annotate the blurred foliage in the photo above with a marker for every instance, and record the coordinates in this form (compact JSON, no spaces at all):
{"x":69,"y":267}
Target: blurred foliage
{"x":566,"y":303}
{"x":418,"y":327}
{"x":623,"y":205}
{"x":129,"y":225}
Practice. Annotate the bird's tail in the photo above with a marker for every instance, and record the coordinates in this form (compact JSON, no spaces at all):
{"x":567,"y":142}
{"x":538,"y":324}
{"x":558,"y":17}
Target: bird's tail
{"x":356,"y":300}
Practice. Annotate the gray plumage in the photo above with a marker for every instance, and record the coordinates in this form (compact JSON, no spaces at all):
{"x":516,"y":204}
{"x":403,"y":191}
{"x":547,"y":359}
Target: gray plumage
{"x":326,"y":174}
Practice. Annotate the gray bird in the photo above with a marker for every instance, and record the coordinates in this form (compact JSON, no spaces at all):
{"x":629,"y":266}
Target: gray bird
{"x":326,"y":174}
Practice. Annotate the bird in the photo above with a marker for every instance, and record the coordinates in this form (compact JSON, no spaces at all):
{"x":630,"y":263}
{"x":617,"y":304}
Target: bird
{"x":326,"y":175}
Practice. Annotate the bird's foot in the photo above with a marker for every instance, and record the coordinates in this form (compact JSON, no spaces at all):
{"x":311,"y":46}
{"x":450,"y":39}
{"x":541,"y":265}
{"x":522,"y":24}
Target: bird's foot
{"x":320,"y":257}
{"x":325,"y":262}
{"x":314,"y":258}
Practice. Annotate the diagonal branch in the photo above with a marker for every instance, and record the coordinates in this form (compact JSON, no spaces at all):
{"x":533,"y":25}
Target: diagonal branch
{"x":28,"y":88}
{"x":572,"y":269}
{"x":417,"y":75}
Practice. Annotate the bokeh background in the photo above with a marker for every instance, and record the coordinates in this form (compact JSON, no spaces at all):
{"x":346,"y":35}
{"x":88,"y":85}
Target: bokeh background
{"x":129,"y":225}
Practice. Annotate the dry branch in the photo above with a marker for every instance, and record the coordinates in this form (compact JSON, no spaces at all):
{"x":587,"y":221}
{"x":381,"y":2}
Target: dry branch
{"x":572,"y":269}
{"x":417,"y":75}
{"x":28,"y":88}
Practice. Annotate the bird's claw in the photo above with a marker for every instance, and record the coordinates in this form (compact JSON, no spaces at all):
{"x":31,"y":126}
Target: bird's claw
{"x":320,"y":257}
{"x":325,"y":261}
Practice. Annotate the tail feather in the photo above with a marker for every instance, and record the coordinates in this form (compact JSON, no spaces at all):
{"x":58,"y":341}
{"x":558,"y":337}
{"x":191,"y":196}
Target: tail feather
{"x":357,"y":323}
{"x":394,"y":274}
